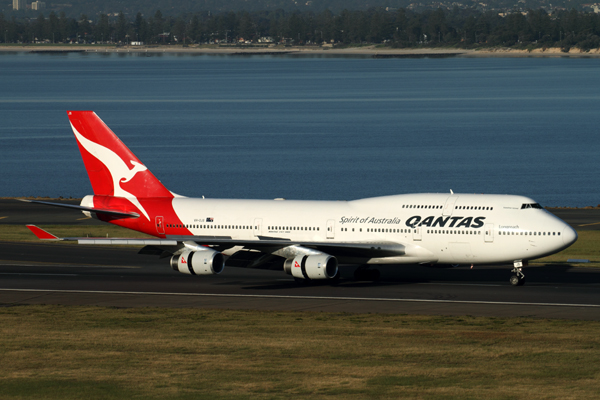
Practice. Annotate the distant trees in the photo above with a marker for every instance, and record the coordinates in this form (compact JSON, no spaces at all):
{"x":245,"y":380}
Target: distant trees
{"x":397,"y":28}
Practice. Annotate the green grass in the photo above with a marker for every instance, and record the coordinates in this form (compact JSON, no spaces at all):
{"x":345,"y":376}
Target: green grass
{"x":21,"y":233}
{"x":57,"y":352}
{"x":586,"y":247}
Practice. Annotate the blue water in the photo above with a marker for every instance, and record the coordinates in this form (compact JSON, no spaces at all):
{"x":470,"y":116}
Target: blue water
{"x":310,"y":128}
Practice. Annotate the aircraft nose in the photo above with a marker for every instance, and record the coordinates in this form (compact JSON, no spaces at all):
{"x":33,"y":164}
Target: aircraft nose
{"x":569,"y":235}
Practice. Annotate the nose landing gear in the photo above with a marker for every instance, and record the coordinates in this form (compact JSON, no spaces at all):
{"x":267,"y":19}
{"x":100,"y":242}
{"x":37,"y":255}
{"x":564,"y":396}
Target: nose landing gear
{"x":518,"y":279}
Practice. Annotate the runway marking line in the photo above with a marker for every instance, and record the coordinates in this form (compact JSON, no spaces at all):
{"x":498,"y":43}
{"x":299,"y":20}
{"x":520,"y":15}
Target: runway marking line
{"x":458,"y":284}
{"x":272,"y":296}
{"x":3,"y":217}
{"x":593,"y":223}
{"x":30,"y":274}
{"x":11,"y":263}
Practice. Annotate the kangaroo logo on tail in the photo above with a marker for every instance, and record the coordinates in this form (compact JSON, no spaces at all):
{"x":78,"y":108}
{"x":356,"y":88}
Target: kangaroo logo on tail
{"x":117,"y":167}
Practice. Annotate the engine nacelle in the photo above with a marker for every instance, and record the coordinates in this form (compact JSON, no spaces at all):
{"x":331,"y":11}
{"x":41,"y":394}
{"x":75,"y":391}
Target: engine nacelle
{"x":312,"y":267}
{"x":204,"y":262}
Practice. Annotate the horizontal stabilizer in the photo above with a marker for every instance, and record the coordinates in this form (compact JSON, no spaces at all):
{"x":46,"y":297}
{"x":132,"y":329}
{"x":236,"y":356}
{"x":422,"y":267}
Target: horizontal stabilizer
{"x":122,"y":214}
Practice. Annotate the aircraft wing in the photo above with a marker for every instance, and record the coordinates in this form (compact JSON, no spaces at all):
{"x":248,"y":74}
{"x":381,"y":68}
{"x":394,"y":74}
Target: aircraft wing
{"x":263,"y":244}
{"x":272,"y":244}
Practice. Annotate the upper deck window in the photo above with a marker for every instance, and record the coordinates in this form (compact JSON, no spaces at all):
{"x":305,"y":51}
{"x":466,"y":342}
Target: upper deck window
{"x":531,"y":205}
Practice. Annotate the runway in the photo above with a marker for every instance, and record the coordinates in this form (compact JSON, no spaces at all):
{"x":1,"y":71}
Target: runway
{"x":86,"y":275}
{"x":69,"y":274}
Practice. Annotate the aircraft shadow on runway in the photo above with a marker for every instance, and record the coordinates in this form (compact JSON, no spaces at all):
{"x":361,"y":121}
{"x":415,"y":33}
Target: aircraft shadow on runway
{"x":547,"y":275}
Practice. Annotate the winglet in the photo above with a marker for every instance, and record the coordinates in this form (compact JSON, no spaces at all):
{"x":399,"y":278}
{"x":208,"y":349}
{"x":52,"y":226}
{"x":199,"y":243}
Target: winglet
{"x":42,"y":234}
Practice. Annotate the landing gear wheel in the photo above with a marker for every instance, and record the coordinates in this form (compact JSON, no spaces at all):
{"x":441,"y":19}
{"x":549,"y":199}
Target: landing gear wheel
{"x":366,"y":274}
{"x":517,"y":280}
{"x":375,"y":275}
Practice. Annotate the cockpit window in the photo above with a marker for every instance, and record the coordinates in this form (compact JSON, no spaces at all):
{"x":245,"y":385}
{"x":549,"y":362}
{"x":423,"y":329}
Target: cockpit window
{"x":531,"y":205}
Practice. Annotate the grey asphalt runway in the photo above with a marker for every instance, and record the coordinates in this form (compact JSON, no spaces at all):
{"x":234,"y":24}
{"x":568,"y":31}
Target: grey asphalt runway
{"x":59,"y":273}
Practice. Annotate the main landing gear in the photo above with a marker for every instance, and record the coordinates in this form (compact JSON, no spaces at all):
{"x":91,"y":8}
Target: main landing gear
{"x":365,"y":273}
{"x":518,"y":279}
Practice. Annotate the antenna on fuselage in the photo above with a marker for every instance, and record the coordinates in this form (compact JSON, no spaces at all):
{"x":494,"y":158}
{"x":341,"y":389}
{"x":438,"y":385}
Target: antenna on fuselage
{"x":451,"y":192}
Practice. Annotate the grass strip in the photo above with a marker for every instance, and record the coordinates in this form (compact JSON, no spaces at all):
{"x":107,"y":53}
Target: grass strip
{"x":586,"y":247}
{"x":20,"y":233}
{"x":58,"y":352}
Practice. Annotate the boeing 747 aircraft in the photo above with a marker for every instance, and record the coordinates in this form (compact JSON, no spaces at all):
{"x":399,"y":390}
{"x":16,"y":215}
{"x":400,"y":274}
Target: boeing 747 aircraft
{"x":308,"y":238}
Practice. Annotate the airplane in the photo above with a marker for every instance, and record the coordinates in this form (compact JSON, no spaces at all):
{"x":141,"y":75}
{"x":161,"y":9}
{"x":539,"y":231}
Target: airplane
{"x":307,"y":239}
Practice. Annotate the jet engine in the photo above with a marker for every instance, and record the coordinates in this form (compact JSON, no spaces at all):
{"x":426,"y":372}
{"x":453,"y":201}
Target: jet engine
{"x":204,"y":262}
{"x":322,"y":266}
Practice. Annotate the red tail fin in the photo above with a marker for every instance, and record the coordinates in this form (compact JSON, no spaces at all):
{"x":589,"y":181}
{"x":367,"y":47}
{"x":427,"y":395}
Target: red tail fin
{"x":113,"y":169}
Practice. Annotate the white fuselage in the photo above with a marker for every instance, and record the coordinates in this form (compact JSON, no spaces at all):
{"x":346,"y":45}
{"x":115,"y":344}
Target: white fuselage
{"x":433,"y":228}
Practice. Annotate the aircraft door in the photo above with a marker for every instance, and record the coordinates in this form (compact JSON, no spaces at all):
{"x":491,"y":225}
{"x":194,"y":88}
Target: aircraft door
{"x":489,"y":233}
{"x":417,"y":233}
{"x":449,"y":206}
{"x":330,"y":229}
{"x":160,"y":226}
{"x":257,"y":226}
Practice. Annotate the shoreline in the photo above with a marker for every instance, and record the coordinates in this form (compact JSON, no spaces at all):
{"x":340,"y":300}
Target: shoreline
{"x":366,"y":51}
